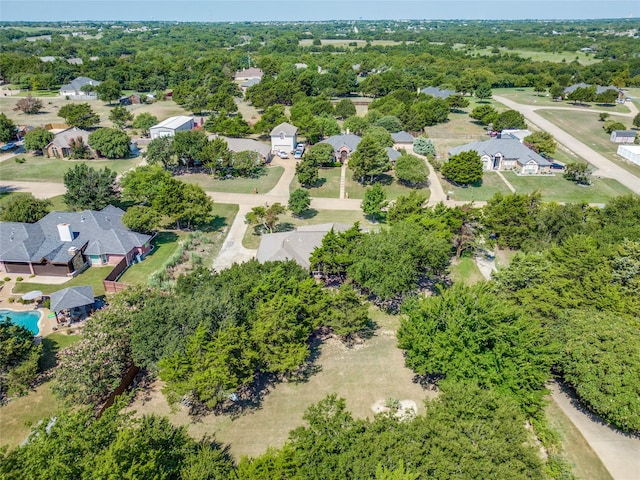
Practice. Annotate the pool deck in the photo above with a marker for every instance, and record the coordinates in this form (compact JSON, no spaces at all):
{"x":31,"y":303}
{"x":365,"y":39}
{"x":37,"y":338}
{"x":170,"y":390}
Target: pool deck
{"x":46,"y":325}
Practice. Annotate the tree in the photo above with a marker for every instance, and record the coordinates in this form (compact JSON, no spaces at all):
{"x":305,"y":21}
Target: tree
{"x":37,"y":139}
{"x":457,"y":102}
{"x":463,"y":168}
{"x":583,"y":94}
{"x":347,"y":315}
{"x":19,"y":358}
{"x":110,"y":143}
{"x":186,"y":204}
{"x":142,"y":219}
{"x":307,"y":171}
{"x":109,"y":90}
{"x":369,"y":159}
{"x":188,"y":145}
{"x":355,"y":125}
{"x":390,"y":123}
{"x":509,"y":119}
{"x":380,"y":134}
{"x":541,"y":142}
{"x":142,"y":184}
{"x":608,"y":96}
{"x":411,"y":169}
{"x":144,"y":122}
{"x":88,"y":188}
{"x":8,"y":129}
{"x":119,"y":115}
{"x":374,"y":201}
{"x":603,"y":116}
{"x":299,"y":201}
{"x":485,"y":114}
{"x":636,"y":121}
{"x":424,"y":146}
{"x":216,"y":155}
{"x":578,"y":172}
{"x":79,"y":115}
{"x":511,"y":217}
{"x":24,"y":208}
{"x":483,"y":91}
{"x":246,"y":163}
{"x":468,"y":334}
{"x":29,"y":105}
{"x":160,"y":151}
{"x":320,"y":154}
{"x":273,"y":116}
{"x":406,"y":206}
{"x":345,"y":108}
{"x":556,"y":91}
{"x":266,"y":217}
{"x":611,"y":125}
{"x":78,"y":149}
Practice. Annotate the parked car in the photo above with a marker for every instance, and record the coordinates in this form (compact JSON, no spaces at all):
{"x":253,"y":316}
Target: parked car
{"x":283,"y":154}
{"x":557,"y":166}
{"x":9,"y":146}
{"x":298,"y":154}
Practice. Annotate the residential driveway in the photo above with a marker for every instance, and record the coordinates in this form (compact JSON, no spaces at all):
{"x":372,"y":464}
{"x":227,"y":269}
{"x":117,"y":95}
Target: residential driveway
{"x":605,"y":167}
{"x":232,"y":250}
{"x":619,"y":453}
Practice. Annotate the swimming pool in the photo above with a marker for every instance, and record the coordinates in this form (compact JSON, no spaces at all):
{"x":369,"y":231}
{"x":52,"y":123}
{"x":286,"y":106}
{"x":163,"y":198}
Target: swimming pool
{"x":28,"y":319}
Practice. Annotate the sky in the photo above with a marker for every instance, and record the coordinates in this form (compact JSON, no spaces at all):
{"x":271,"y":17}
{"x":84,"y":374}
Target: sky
{"x":310,"y":10}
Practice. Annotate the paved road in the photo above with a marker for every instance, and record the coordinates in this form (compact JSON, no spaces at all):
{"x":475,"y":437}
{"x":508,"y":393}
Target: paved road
{"x":605,"y":167}
{"x":619,"y":453}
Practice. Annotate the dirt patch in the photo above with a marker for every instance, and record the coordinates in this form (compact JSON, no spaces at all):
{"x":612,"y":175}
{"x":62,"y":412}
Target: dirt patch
{"x":403,"y":408}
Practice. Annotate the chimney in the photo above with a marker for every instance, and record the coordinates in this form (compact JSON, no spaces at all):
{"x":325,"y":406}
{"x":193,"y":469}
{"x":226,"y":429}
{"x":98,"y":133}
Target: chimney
{"x":72,"y":251}
{"x":347,"y":131}
{"x":65,"y":232}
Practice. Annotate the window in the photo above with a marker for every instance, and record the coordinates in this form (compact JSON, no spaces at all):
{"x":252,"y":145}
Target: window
{"x":281,"y":135}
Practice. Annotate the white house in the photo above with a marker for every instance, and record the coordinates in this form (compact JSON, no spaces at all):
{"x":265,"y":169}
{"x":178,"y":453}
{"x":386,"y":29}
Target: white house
{"x":283,"y":137}
{"x":247,"y":74}
{"x":623,"y":136}
{"x":170,"y":126}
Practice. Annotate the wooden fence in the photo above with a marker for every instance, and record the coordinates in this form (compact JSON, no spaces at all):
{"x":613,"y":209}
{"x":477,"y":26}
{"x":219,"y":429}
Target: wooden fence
{"x":124,"y":383}
{"x":110,"y":283}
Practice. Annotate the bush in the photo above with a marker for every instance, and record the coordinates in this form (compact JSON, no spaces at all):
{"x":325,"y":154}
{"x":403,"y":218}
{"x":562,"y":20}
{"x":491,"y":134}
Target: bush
{"x":20,"y":160}
{"x":19,"y":279}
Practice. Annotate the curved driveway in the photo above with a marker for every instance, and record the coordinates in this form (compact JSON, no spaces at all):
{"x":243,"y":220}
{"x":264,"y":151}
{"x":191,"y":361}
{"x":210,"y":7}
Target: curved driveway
{"x":606,"y":167}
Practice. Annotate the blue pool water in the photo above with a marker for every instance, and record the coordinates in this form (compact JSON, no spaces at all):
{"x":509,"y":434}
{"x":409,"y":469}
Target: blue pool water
{"x":26,"y":319}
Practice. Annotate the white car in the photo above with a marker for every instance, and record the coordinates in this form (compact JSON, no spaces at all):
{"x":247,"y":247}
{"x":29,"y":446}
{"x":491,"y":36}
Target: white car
{"x":283,"y":154}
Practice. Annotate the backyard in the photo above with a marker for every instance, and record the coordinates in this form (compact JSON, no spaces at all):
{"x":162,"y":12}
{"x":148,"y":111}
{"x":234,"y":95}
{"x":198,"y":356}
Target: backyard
{"x":91,"y":276}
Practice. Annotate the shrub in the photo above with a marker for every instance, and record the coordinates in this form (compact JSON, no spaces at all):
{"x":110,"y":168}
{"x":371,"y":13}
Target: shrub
{"x":19,"y":279}
{"x":20,"y":159}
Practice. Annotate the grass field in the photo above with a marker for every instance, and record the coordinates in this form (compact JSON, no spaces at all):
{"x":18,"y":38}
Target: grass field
{"x":536,"y":56}
{"x":263,"y":183}
{"x":392,"y":188}
{"x":527,"y":96}
{"x":91,"y":276}
{"x":465,"y":270}
{"x":336,"y":42}
{"x":43,"y":169}
{"x":586,"y":464}
{"x":315,"y":217}
{"x":328,"y":184}
{"x":558,"y":189}
{"x":363,"y":375}
{"x":586,"y":127}
{"x":165,"y":245}
{"x":19,"y":415}
{"x":491,"y":184}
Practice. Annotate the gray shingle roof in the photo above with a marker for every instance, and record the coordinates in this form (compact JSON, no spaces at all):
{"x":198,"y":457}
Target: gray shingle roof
{"x":510,"y":148}
{"x":393,"y":154}
{"x":71,"y":297}
{"x":436,"y":92}
{"x":251,"y":82}
{"x":62,"y":139}
{"x":77,"y":83}
{"x":625,"y":133}
{"x":245,"y":145}
{"x":349,"y":140}
{"x":102,"y":232}
{"x":599,"y":89}
{"x":402,"y":137}
{"x":297,"y":245}
{"x":285,"y":128}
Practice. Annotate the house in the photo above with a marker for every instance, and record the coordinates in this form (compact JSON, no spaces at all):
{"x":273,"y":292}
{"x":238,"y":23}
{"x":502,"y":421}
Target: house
{"x":247,"y":74}
{"x":623,"y":136}
{"x":74,"y":88}
{"x":249,"y":83}
{"x":297,"y":245}
{"x":402,"y":138}
{"x":437,"y":92}
{"x":247,"y":145}
{"x":630,"y":152}
{"x":506,"y":154}
{"x":519,"y":135}
{"x":599,"y":89}
{"x":171,"y":125}
{"x":343,"y":145}
{"x":60,"y":146}
{"x":283,"y":137}
{"x":64,"y":243}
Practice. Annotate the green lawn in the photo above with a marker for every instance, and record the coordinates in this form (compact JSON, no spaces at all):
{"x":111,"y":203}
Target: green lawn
{"x":534,"y":55}
{"x":328,"y":184}
{"x":362,"y":375}
{"x":57,"y":203}
{"x":557,"y":189}
{"x":20,"y":414}
{"x":465,"y":270}
{"x":586,"y":127}
{"x":527,"y":96}
{"x":165,"y":245}
{"x":43,"y":169}
{"x":263,"y":183}
{"x":491,"y":184}
{"x":315,"y":217}
{"x":392,"y":188}
{"x":91,"y":276}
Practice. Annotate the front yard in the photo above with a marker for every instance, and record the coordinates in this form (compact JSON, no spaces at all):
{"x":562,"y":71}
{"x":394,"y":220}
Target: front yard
{"x":265,"y":181}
